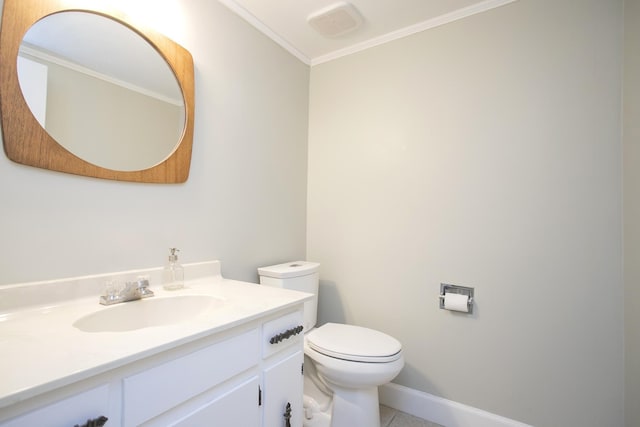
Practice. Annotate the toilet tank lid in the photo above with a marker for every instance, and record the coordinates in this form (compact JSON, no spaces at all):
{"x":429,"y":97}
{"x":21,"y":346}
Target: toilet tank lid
{"x":289,"y":269}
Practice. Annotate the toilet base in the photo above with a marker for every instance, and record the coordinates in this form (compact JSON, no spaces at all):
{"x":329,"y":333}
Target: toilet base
{"x":317,"y":419}
{"x":341,"y":407}
{"x":348,"y":408}
{"x":355,"y":407}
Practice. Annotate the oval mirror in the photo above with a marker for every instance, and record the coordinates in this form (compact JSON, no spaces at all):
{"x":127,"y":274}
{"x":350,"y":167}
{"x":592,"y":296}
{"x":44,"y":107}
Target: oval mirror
{"x":89,"y":91}
{"x":106,"y":96}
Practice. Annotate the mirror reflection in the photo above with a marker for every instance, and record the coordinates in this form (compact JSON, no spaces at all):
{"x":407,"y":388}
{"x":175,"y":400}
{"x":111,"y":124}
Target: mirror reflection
{"x":101,"y":90}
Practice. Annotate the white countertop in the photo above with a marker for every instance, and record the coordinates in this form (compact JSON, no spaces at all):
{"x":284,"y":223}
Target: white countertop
{"x":41,"y":350}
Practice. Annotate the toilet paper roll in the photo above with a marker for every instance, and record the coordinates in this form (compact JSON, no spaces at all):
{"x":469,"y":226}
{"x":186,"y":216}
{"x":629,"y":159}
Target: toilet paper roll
{"x":456,"y":302}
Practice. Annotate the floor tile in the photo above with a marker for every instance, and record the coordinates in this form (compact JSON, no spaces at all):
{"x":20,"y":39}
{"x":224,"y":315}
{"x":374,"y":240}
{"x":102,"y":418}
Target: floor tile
{"x":386,"y":415}
{"x":390,"y":417}
{"x":405,"y":420}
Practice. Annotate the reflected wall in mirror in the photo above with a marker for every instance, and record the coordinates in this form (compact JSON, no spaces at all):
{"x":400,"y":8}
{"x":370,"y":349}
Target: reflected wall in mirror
{"x":87,"y":95}
{"x":103,"y":99}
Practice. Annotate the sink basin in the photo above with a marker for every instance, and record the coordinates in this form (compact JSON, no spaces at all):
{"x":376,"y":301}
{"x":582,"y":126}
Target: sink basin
{"x":147,"y":313}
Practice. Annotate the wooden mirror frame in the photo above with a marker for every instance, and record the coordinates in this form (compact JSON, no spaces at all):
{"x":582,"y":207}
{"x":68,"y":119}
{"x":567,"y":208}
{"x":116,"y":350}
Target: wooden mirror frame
{"x":28,"y":143}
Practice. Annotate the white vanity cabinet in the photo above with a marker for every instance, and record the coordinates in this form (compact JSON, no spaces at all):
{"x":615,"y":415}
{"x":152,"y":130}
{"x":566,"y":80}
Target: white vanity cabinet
{"x":241,"y":376}
{"x":261,"y":373}
{"x":282,"y":350}
{"x":283,"y":391}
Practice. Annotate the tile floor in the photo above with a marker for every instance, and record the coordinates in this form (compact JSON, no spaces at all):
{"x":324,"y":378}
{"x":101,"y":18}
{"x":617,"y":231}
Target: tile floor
{"x":389,"y":417}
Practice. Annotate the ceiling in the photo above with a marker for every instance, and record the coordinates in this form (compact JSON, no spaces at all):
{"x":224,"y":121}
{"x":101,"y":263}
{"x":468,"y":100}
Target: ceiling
{"x":285,"y":21}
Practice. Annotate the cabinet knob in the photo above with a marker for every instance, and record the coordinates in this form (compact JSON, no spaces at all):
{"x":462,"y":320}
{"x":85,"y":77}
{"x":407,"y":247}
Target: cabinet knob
{"x":96,"y":422}
{"x":287,"y":415}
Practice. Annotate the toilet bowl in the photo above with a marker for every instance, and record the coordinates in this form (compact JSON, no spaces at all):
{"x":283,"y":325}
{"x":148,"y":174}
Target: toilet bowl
{"x":344,"y":364}
{"x":352,"y":362}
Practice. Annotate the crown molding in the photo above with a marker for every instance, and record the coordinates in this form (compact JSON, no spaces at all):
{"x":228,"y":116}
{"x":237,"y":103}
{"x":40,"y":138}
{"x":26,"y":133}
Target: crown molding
{"x":386,"y":38}
{"x":260,"y":26}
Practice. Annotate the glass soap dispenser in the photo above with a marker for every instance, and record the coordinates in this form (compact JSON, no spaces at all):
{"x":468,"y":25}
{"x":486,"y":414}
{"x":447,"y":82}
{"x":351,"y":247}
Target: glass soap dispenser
{"x":173,"y":273}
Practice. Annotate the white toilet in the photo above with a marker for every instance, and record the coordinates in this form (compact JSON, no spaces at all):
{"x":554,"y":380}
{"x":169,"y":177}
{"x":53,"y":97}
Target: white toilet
{"x":348,"y":362}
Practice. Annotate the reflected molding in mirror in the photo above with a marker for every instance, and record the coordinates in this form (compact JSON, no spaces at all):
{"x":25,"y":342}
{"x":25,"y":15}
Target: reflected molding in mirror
{"x":139,"y":118}
{"x":26,"y":141}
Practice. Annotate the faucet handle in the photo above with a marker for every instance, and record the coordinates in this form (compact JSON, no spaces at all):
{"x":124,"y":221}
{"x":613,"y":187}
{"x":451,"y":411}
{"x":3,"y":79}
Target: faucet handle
{"x":112,"y":292}
{"x":111,"y":289}
{"x":142,"y":283}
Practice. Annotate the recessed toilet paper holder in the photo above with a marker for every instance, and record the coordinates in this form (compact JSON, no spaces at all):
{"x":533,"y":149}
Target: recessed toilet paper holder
{"x":455,"y":289}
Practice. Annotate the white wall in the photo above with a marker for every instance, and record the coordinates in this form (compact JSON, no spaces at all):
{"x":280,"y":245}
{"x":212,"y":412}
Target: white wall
{"x":244,"y":202}
{"x":486,"y":153}
{"x":631,"y":133}
{"x":125,"y":130}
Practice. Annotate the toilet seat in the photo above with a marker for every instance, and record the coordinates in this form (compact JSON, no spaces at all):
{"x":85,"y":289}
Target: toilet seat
{"x":354,"y":343}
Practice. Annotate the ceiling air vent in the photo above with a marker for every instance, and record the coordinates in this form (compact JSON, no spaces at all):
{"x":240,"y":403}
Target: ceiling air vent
{"x":335,"y":20}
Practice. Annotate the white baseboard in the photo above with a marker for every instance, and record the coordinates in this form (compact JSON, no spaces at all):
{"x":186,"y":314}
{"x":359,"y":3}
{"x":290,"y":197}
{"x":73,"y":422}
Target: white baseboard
{"x":439,"y":410}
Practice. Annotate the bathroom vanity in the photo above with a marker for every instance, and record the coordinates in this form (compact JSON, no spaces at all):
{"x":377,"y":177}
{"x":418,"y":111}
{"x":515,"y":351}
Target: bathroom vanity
{"x":229,"y":354}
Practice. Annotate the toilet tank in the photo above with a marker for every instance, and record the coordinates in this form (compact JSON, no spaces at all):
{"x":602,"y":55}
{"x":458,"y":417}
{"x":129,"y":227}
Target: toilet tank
{"x":299,"y":276}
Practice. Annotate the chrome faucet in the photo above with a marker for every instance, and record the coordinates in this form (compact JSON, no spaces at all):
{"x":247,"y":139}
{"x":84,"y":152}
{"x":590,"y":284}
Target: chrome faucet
{"x":131,"y":291}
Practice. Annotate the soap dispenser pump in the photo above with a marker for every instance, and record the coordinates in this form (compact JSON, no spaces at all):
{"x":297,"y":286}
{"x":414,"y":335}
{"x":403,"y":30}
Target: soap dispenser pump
{"x":173,"y":274}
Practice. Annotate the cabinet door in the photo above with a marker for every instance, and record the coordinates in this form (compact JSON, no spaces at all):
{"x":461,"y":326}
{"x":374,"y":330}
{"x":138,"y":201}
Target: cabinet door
{"x":235,"y":408}
{"x":157,"y":390}
{"x":73,"y":410}
{"x":282,"y":386}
